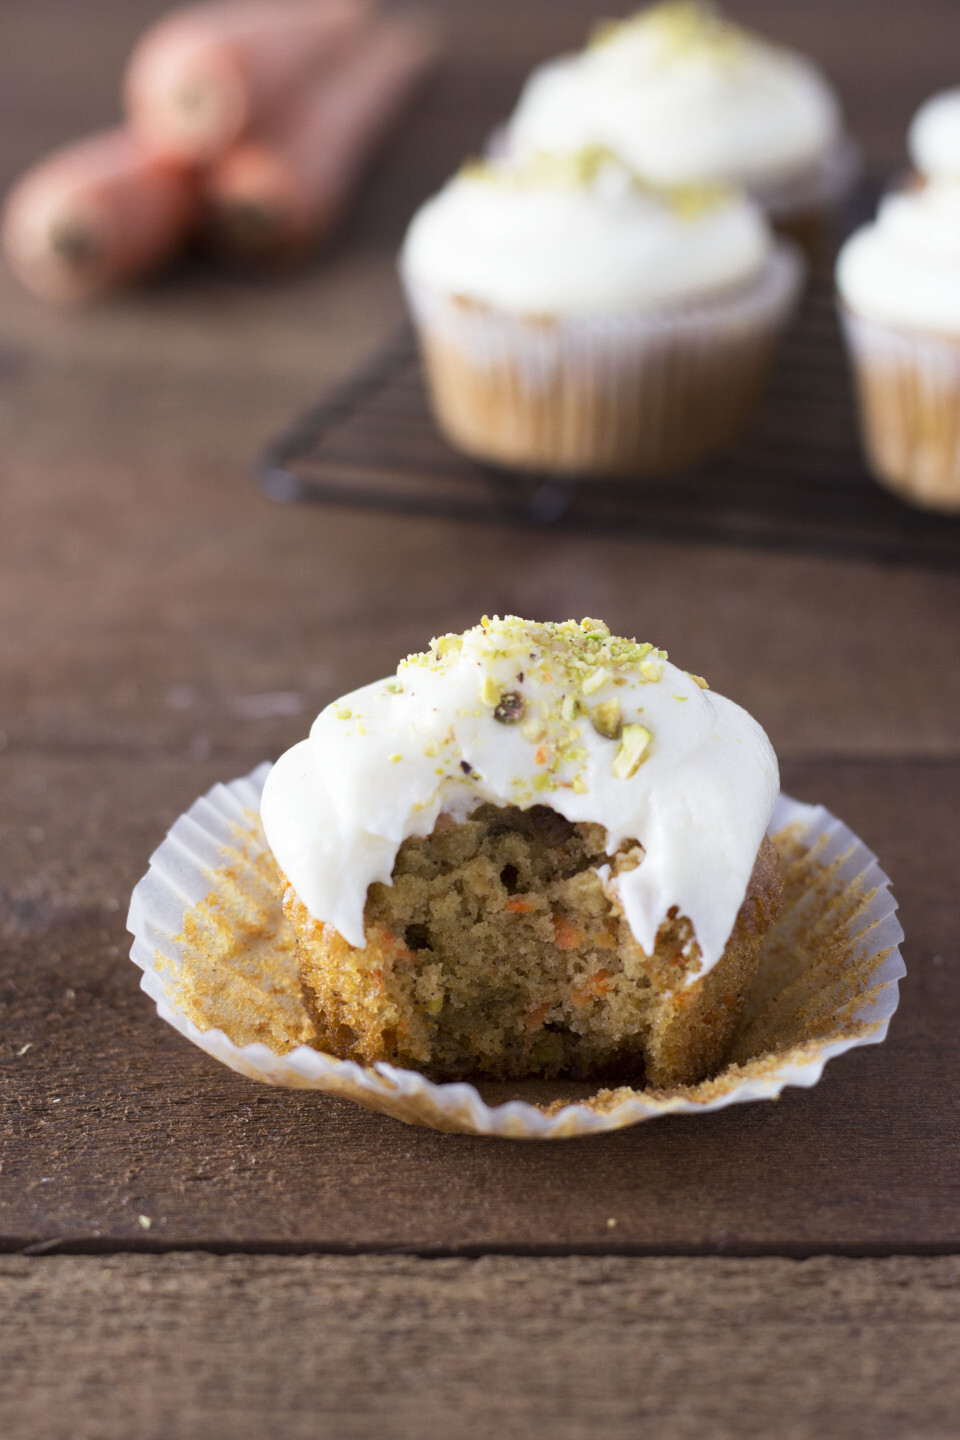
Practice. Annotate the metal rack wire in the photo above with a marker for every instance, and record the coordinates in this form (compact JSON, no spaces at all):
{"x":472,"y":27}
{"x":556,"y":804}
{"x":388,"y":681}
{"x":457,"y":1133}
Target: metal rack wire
{"x":797,"y":482}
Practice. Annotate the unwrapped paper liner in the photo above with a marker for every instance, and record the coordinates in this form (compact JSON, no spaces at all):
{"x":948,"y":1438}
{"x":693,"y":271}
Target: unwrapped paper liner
{"x":216,"y":855}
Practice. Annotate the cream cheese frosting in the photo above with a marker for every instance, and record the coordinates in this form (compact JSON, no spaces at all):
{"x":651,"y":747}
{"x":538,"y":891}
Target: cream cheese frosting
{"x":683,"y":96}
{"x":934,"y":138}
{"x":904,"y":269}
{"x":580,"y":236}
{"x":515,"y":713}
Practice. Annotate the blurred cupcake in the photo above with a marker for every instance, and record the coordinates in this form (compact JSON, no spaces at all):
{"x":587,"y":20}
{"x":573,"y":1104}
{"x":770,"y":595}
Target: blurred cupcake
{"x":575,"y":320}
{"x":934,"y":139}
{"x":685,"y":97}
{"x":899,"y":286}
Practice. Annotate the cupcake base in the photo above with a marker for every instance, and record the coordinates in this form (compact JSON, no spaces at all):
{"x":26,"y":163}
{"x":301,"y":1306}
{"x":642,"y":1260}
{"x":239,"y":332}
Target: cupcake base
{"x":613,"y":395}
{"x":908,"y":388}
{"x":496,"y":951}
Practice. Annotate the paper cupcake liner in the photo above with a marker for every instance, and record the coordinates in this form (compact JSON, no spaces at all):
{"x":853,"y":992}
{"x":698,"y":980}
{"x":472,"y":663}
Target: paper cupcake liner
{"x":630,"y":393}
{"x":908,"y":387}
{"x":219,"y":961}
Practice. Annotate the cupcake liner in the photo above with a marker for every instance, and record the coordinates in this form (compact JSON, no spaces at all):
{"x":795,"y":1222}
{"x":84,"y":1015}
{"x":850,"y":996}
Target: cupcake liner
{"x":908,"y":387}
{"x":219,"y":960}
{"x":633,"y":392}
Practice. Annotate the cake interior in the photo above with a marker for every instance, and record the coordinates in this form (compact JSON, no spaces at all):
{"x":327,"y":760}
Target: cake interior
{"x":496,"y":951}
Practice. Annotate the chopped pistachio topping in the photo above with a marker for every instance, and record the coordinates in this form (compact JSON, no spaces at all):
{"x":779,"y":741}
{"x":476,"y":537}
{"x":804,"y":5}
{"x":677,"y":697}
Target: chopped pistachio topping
{"x":394,"y":687}
{"x":698,"y":680}
{"x":593,"y":682}
{"x":634,"y":740}
{"x":344,"y":714}
{"x":579,"y":171}
{"x":683,"y":27}
{"x":448,"y":644}
{"x":490,"y":691}
{"x":510,"y":708}
{"x":516,"y":659}
{"x":607,"y":718}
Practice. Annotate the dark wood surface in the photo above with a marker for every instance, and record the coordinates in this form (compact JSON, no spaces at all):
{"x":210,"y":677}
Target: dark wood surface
{"x":406,"y":1348}
{"x":164,"y":626}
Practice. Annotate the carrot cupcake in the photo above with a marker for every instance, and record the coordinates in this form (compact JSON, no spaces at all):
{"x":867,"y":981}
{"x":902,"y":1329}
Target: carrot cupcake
{"x":899,"y":286}
{"x":539,"y":849}
{"x":685,"y":97}
{"x":574,"y":319}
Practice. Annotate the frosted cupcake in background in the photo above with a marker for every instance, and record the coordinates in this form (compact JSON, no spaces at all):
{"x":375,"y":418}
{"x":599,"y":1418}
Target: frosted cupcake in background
{"x":899,"y":286}
{"x":934,"y":138}
{"x":575,"y":320}
{"x":685,"y":97}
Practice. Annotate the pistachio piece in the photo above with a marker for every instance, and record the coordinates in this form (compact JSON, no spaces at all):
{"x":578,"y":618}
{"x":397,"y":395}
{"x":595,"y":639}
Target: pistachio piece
{"x":593,"y":681}
{"x":607,"y":718}
{"x":490,"y":691}
{"x":634,"y":740}
{"x":510,"y":708}
{"x":448,"y":645}
{"x":698,"y":680}
{"x":568,"y":708}
{"x":651,"y":669}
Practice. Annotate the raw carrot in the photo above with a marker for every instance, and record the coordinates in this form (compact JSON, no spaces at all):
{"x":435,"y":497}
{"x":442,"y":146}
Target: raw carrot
{"x":273,"y":197}
{"x":95,"y":215}
{"x":204,"y":76}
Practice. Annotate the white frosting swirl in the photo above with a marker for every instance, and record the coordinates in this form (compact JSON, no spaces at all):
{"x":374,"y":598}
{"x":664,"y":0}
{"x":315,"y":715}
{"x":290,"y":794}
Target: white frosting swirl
{"x":683,"y":97}
{"x":934,"y":138}
{"x":383,"y":762}
{"x":582,"y":237}
{"x":904,"y":269}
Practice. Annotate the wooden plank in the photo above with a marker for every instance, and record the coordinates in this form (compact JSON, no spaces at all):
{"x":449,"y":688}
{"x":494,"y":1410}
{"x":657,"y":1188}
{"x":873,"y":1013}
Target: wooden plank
{"x":241,"y":1347}
{"x":109,"y":1114}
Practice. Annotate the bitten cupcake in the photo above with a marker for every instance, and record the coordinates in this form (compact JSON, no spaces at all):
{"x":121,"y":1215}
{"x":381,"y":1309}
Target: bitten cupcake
{"x":539,"y":849}
{"x":685,"y":97}
{"x":574,"y":319}
{"x":899,"y":286}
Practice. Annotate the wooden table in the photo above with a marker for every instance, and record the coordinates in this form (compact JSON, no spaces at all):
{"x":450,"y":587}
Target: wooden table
{"x":187,"y":1254}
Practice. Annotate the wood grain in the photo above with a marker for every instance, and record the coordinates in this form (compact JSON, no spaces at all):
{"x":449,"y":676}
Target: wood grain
{"x":242,"y":1347}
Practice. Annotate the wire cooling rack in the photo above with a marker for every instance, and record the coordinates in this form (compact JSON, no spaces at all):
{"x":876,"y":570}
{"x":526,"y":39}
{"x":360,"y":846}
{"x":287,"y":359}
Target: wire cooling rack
{"x":797,"y":482}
